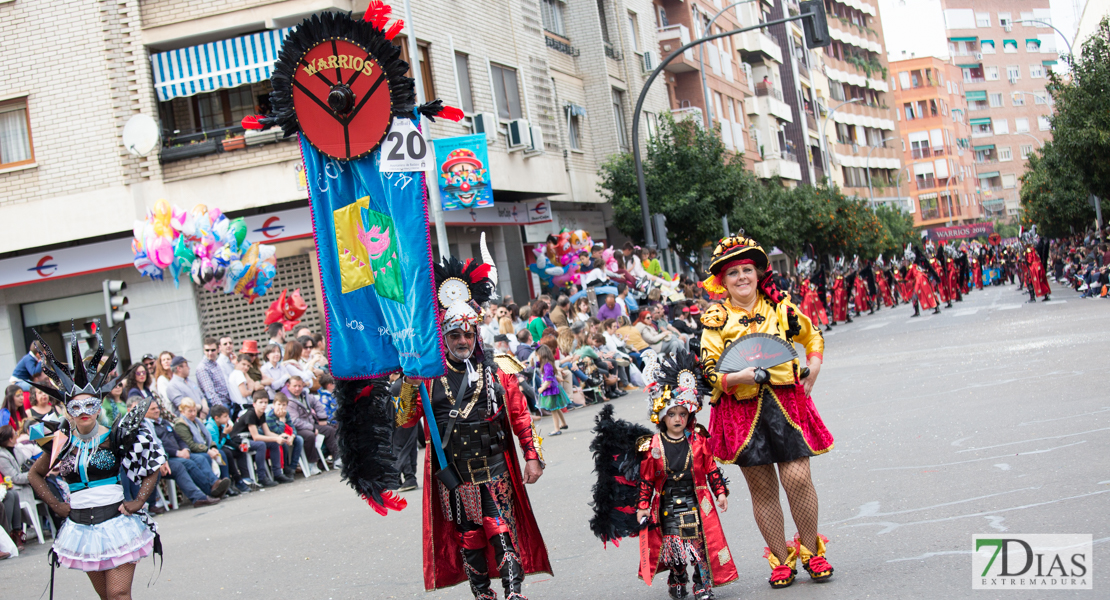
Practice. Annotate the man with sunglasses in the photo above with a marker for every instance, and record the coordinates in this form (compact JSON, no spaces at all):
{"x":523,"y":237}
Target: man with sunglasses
{"x":210,"y":377}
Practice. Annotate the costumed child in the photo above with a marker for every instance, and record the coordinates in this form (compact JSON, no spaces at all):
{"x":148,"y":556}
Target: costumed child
{"x":673,"y":482}
{"x":102,"y":535}
{"x":551,"y":396}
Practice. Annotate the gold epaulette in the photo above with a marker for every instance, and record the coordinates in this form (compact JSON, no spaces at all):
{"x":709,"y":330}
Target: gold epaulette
{"x":508,"y":363}
{"x":715,"y":317}
{"x":643,"y":444}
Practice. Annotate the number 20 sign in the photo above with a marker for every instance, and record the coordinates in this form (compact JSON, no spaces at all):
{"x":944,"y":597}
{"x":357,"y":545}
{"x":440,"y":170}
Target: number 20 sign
{"x":404,"y":148}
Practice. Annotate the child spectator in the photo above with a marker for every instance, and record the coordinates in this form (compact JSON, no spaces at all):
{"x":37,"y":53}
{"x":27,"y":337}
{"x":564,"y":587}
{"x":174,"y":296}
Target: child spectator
{"x":251,"y":427}
{"x":327,"y":396}
{"x":277,"y":420}
{"x":219,"y":426}
{"x":550,"y":396}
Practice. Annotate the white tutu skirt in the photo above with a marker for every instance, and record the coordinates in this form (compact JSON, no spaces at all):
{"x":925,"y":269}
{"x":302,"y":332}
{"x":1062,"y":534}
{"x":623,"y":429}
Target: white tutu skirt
{"x":105,"y":546}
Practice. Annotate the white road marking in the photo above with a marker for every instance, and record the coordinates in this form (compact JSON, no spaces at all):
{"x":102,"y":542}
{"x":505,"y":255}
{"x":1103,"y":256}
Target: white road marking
{"x":995,"y":522}
{"x":960,"y":441}
{"x":1054,"y":302}
{"x":964,"y":462}
{"x":888,"y":526}
{"x":875,"y":326}
{"x":964,"y":312}
{"x":1003,"y":466}
{"x":1101,"y":410}
{"x":930,"y":555}
{"x":1007,"y":306}
{"x":871,"y":509}
{"x":1052,"y":437}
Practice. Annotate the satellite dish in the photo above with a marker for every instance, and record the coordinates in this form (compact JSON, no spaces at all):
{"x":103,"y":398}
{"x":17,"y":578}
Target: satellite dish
{"x":140,"y":135}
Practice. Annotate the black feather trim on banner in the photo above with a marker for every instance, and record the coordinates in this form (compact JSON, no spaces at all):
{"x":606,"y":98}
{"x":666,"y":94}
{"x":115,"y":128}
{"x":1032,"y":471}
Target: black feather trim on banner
{"x":364,"y":418}
{"x":337,"y":26}
{"x":617,"y":464}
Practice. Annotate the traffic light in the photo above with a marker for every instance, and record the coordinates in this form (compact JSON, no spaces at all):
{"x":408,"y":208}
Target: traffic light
{"x":90,"y":334}
{"x":114,"y":301}
{"x":659,"y":222}
{"x":814,"y":24}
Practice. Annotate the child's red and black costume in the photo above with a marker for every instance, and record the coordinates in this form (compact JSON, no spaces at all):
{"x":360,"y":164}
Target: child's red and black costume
{"x":676,"y":480}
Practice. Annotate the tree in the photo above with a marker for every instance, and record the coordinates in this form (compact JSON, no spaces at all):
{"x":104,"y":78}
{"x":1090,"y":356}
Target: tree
{"x":691,"y":179}
{"x":897,"y":230}
{"x":1081,"y":123}
{"x":1053,"y":195}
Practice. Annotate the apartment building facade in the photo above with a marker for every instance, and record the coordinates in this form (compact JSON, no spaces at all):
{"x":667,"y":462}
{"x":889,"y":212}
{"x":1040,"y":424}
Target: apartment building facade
{"x":569,"y":72}
{"x":939,"y":172}
{"x":1004,"y":49}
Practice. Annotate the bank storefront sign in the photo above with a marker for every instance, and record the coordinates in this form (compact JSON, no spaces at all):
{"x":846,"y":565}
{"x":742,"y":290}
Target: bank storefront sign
{"x":1032,"y":562}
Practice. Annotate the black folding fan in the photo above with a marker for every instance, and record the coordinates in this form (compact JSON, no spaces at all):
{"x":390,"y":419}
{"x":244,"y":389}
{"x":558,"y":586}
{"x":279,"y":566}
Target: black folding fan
{"x":760,"y":350}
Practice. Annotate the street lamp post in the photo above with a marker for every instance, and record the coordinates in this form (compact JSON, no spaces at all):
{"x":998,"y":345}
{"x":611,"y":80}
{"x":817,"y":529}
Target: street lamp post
{"x":1035,"y":138}
{"x":867,"y":165}
{"x":824,"y":124}
{"x":701,"y":64}
{"x":641,"y":183}
{"x":1047,"y":24}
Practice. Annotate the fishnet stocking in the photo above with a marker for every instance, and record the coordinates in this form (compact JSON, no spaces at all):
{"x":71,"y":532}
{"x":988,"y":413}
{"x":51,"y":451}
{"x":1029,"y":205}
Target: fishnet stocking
{"x":98,"y":581}
{"x":118,"y":582}
{"x":763,"y":484}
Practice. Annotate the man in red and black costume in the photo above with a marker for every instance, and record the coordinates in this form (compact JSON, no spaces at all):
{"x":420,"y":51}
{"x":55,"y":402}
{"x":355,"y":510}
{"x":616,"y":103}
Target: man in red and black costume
{"x":478,"y":521}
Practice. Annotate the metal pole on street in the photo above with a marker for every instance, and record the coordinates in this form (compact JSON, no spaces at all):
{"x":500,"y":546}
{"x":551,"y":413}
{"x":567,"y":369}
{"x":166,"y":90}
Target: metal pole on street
{"x":701,"y":65}
{"x":641,"y":184}
{"x":824,"y":140}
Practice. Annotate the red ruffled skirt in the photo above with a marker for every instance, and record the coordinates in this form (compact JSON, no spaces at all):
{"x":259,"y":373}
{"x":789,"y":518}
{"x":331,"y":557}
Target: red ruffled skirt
{"x":779,"y":425}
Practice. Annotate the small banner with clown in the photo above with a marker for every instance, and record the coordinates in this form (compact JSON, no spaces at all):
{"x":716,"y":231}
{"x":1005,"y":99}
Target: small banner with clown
{"x":464,"y":179}
{"x":341,"y":85}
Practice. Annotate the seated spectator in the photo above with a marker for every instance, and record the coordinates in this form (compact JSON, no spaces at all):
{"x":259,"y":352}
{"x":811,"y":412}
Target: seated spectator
{"x":41,"y":405}
{"x":226,"y":359}
{"x":178,"y":388}
{"x":11,"y":517}
{"x":113,"y":405}
{"x":163,"y":371}
{"x":139,"y":382}
{"x":309,"y":418}
{"x":609,"y":310}
{"x":616,"y":344}
{"x":662,"y":342}
{"x":192,"y":431}
{"x":191,"y":474}
{"x":251,"y":427}
{"x":524,"y":347}
{"x":611,"y":376}
{"x":631,"y":335}
{"x":29,"y":367}
{"x":12,"y":411}
{"x":312,"y":359}
{"x":327,"y":396}
{"x":277,"y":420}
{"x":219,"y":426}
{"x":275,"y":370}
{"x":295,"y":363}
{"x":659,"y":315}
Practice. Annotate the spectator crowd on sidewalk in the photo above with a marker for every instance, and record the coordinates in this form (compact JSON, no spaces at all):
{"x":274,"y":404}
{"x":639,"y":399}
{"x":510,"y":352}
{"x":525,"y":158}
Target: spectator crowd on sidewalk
{"x":239,"y":418}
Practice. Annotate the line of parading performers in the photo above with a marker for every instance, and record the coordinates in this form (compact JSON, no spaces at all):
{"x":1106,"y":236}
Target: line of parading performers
{"x":103,"y":535}
{"x":478,"y":521}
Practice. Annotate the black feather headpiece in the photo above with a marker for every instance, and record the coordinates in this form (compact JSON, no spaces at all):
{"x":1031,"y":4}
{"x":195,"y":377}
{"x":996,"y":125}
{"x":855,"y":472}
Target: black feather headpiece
{"x":90,"y":378}
{"x":474,"y":275}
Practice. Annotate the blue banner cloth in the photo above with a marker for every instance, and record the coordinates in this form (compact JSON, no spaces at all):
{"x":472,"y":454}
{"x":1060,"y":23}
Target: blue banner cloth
{"x":375,"y":258}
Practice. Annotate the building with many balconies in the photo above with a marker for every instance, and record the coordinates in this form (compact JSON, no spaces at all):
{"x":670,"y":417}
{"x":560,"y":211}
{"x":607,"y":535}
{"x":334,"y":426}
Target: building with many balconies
{"x":939,"y":176}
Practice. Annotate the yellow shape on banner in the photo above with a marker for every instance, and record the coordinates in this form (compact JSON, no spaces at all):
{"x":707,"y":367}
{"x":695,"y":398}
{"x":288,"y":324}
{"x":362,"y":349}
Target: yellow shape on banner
{"x":355,"y":270}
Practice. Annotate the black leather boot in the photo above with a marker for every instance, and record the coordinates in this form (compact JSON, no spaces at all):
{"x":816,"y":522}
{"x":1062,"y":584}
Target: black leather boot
{"x":509,"y":565}
{"x":916,"y":310}
{"x":477,"y":571}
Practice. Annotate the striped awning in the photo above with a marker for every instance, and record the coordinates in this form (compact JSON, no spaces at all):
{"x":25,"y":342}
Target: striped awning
{"x":970,"y":38}
{"x":216,"y":65}
{"x":976,"y":95}
{"x":984,"y":147}
{"x":988,"y":175}
{"x":980,"y":121}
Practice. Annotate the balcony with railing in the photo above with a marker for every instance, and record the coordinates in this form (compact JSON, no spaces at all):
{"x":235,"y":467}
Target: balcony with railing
{"x":768,"y":101}
{"x":758,"y":42}
{"x":922,"y":152}
{"x":764,"y":89}
{"x":672,"y":38}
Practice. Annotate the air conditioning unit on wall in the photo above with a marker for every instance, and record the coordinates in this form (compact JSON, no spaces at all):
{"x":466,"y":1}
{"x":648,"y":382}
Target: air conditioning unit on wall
{"x":536,"y":144}
{"x":487,"y":123}
{"x":648,"y":62}
{"x":520,"y":134}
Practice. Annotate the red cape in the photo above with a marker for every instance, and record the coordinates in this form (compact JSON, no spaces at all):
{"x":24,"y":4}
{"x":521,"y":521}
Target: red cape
{"x":442,"y":559}
{"x":718,"y":556}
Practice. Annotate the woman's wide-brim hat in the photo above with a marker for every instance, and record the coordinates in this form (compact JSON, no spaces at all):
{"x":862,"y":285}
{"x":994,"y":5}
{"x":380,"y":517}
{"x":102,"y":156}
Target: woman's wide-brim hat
{"x":737,"y":247}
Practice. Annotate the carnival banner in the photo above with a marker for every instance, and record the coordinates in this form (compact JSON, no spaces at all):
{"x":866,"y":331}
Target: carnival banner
{"x":464,"y":179}
{"x":973,"y":230}
{"x":371,"y":231}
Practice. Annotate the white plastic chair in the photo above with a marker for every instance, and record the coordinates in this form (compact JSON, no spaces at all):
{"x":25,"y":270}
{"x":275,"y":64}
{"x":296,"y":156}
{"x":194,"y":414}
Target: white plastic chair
{"x":320,"y":452}
{"x":33,"y":516}
{"x":171,"y":488}
{"x":305,"y":466}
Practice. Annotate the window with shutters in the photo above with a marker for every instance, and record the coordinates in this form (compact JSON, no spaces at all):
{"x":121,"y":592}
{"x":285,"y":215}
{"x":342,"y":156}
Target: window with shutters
{"x":15,"y":134}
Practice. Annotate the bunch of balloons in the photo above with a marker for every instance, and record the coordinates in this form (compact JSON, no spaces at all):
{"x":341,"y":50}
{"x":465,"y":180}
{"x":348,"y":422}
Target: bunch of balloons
{"x":559,"y":263}
{"x":205,"y":246}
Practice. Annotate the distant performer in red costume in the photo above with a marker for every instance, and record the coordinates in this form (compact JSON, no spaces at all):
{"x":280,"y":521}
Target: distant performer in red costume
{"x":1035,"y":277}
{"x":840,"y":297}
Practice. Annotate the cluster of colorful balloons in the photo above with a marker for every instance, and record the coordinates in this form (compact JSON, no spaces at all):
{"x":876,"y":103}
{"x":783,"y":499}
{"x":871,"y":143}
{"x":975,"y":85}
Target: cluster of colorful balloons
{"x":559,"y":262}
{"x":205,"y":246}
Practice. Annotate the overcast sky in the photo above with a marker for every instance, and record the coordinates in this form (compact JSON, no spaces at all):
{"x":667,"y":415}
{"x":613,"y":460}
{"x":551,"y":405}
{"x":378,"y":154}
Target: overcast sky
{"x":916,"y":27}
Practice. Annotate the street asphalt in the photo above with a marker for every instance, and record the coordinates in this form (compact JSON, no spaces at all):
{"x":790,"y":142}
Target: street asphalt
{"x":991,"y":417}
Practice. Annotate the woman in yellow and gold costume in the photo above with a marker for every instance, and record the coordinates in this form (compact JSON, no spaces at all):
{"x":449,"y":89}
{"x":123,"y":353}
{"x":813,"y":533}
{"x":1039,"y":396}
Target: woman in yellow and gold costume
{"x":759,"y":426}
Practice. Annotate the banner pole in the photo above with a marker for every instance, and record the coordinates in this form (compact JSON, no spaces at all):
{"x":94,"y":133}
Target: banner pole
{"x":433,"y":429}
{"x":431,"y":177}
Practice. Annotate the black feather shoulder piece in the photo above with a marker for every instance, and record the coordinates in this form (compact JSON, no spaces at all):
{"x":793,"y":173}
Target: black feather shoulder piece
{"x":617,"y":464}
{"x":364,"y":417}
{"x":127,"y":425}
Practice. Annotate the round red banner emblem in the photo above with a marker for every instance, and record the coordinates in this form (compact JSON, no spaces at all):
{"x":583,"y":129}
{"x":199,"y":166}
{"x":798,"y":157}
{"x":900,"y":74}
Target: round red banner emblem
{"x":341,"y":96}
